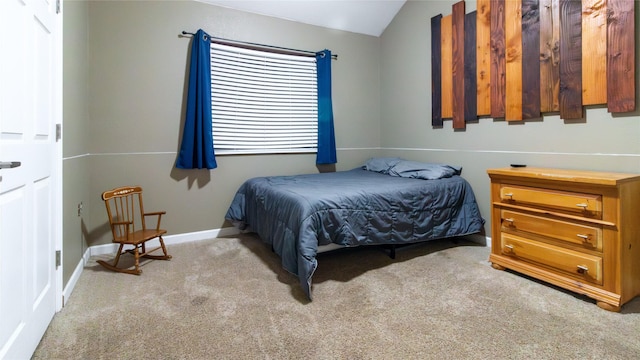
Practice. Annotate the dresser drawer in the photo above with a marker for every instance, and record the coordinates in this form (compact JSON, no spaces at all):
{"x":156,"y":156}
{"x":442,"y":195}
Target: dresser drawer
{"x":585,"y":267}
{"x":588,"y":205}
{"x":589,"y":237}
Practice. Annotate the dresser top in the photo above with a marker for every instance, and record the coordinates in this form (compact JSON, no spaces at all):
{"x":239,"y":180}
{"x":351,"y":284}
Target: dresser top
{"x":577,"y":176}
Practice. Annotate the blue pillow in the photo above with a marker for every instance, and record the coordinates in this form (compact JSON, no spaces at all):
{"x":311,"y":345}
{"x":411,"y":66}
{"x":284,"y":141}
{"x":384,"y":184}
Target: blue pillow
{"x":381,"y":164}
{"x":426,"y":171}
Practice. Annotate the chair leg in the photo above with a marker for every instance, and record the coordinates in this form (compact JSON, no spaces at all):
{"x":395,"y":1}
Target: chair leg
{"x":164,"y":249}
{"x":136,"y":256}
{"x":166,"y":256}
{"x":115,"y":262}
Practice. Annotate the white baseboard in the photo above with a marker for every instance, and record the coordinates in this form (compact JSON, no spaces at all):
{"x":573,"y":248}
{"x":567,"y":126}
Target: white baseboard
{"x":168,"y":240}
{"x":66,"y":292}
{"x":480,"y":239}
{"x":110,"y":248}
{"x":194,"y":236}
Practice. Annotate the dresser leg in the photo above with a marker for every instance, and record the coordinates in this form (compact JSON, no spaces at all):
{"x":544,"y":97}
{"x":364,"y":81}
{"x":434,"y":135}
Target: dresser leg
{"x":607,"y":306}
{"x":498,"y":267}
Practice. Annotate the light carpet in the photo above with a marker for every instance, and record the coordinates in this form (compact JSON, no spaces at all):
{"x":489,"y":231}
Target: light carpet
{"x":229,"y":298}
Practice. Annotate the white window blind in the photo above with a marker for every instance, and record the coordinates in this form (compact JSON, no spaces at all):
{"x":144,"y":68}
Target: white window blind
{"x":262,"y":102}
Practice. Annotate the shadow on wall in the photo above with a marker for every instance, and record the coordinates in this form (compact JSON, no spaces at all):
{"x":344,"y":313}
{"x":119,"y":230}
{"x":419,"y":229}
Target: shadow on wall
{"x":203,"y":176}
{"x":94,"y":236}
{"x":200,"y":176}
{"x":325,"y":168}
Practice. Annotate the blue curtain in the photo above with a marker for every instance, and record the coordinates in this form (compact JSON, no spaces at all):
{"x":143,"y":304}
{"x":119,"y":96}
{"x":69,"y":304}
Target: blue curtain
{"x":196,"y":149}
{"x":326,"y":135}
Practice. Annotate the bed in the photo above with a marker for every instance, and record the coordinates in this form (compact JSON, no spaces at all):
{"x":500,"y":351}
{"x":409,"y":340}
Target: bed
{"x":387,"y":201}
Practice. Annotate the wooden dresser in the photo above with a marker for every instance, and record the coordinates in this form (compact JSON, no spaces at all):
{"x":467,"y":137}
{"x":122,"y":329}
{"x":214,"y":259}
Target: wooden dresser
{"x":579,"y":230}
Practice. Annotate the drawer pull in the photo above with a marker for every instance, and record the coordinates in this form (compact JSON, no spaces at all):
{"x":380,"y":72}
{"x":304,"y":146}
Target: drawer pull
{"x":582,"y":269}
{"x":509,"y":195}
{"x":509,"y":248}
{"x":584,"y":237}
{"x":510,"y":221}
{"x":583,"y":205}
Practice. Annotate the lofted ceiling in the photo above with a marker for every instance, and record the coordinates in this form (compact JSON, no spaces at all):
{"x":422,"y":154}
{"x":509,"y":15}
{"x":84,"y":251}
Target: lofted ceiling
{"x":369,"y":17}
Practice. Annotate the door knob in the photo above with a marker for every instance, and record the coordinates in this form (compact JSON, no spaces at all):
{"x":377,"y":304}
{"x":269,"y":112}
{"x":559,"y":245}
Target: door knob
{"x":10,"y":165}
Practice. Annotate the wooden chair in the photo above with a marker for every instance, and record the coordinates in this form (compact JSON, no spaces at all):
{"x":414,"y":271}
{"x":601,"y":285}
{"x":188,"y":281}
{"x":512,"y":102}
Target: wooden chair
{"x":128,"y":226}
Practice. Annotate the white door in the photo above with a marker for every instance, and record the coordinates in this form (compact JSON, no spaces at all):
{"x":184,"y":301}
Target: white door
{"x":30,"y":227}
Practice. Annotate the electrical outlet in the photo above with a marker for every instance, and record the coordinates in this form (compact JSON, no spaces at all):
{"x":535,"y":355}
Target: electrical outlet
{"x":80,"y":209}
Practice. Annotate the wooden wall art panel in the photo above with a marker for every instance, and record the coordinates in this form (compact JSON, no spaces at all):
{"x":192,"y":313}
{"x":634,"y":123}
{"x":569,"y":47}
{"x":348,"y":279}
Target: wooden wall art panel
{"x":483,"y":57}
{"x":549,"y":55}
{"x":570,"y":59}
{"x":436,"y":72}
{"x":446,"y":67}
{"x":621,"y":76}
{"x":520,"y":59}
{"x":594,"y":52}
{"x":498,"y":73}
{"x":457,"y":25}
{"x":470,"y":69}
{"x":513,"y":59}
{"x":530,"y":59}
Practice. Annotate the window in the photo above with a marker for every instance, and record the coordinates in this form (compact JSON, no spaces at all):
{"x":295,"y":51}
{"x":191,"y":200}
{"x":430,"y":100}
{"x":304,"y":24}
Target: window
{"x":262,"y":102}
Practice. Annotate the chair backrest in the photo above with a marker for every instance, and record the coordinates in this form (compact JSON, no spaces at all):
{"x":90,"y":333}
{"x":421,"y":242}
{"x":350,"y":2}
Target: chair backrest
{"x":124,"y":205}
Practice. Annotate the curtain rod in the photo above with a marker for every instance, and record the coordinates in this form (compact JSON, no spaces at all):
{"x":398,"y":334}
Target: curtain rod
{"x":256,"y":46}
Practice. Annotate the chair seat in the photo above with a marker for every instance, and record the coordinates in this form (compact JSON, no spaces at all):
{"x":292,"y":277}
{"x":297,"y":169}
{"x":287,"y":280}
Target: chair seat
{"x":140,"y":236}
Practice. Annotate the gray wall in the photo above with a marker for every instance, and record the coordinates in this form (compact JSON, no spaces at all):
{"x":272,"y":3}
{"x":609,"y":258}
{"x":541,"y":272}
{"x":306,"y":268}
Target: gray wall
{"x":599,"y":142}
{"x":125,"y":70}
{"x":75,"y":142}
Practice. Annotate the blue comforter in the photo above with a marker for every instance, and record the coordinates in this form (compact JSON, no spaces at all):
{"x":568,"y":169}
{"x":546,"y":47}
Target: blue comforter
{"x":296,"y":214}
